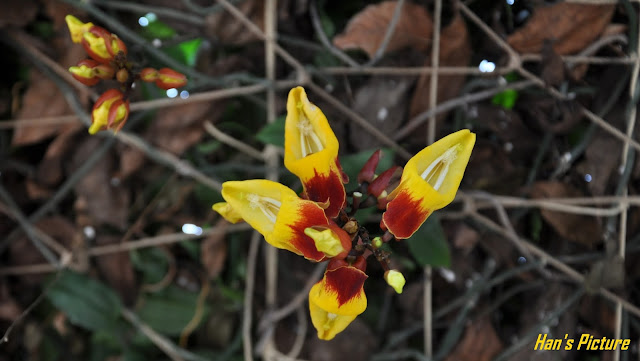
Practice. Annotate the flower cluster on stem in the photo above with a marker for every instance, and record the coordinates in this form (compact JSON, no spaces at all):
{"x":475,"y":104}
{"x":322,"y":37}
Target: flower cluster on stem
{"x":108,"y":60}
{"x":319,"y":224}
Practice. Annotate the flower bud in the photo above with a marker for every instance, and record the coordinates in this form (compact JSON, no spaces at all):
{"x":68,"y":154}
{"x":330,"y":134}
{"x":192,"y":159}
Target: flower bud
{"x":169,"y":78}
{"x":101,"y":45}
{"x":395,"y":279}
{"x":122,"y":75}
{"x":368,"y":171}
{"x":149,"y":75}
{"x":109,"y":112}
{"x":84,"y":72}
{"x":381,"y":186}
{"x":77,"y":28}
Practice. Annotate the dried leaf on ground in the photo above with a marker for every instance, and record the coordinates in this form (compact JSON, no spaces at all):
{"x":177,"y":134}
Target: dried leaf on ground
{"x":42,"y":99}
{"x":178,"y":128}
{"x":117,"y":269}
{"x":17,"y":13}
{"x":50,"y":170}
{"x":602,"y":159}
{"x":570,"y":26}
{"x":479,"y":343}
{"x":366,"y":29}
{"x":106,"y":201}
{"x":574,"y":227}
{"x":455,"y":51}
{"x":213,"y":251}
{"x":383,"y":102}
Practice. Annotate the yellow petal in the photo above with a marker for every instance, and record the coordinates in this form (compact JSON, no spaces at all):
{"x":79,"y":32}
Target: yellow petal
{"x":429,"y":182}
{"x":227,"y":212}
{"x":76,"y":28}
{"x":328,"y":324}
{"x":311,"y":152}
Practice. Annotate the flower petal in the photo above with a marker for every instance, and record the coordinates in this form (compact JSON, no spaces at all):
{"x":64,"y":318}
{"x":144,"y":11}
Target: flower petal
{"x":311,"y":151}
{"x":429,"y":182}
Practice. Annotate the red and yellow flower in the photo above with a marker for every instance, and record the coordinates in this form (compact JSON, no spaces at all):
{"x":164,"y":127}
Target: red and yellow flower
{"x":285,"y":220}
{"x":338,"y":298}
{"x":311,"y":153}
{"x":429,"y":182}
{"x":310,"y":226}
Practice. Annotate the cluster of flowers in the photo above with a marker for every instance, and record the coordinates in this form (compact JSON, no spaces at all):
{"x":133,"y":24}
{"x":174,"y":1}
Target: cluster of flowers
{"x":108,"y":60}
{"x":317,"y":224}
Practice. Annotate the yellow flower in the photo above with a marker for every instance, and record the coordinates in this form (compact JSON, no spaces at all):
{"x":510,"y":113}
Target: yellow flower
{"x":282,"y":217}
{"x":429,"y":182}
{"x":311,"y":152}
{"x":338,"y":298}
{"x":76,"y":28}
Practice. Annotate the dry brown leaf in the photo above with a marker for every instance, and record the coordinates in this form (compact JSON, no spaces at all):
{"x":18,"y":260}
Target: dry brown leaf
{"x":213,"y":251}
{"x":573,"y":227}
{"x":479,"y":343}
{"x":226,"y":29}
{"x":10,"y":310}
{"x":17,"y":13}
{"x":601,"y":161}
{"x":50,"y":170}
{"x":455,"y":50}
{"x":570,"y":26}
{"x":106,"y":201}
{"x":178,"y":128}
{"x":117,"y":270}
{"x":42,"y":99}
{"x":366,"y":29}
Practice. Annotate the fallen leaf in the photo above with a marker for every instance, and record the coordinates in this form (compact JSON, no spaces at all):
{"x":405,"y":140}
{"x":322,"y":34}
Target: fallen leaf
{"x":465,"y":238}
{"x":574,"y":227}
{"x":106,"y":201}
{"x":602,"y":159}
{"x":41,"y":99}
{"x":382,"y":100}
{"x":479,"y":343}
{"x":50,"y":171}
{"x":366,"y":30}
{"x":213,"y":251}
{"x":17,"y":13}
{"x":178,"y":128}
{"x":570,"y":26}
{"x":117,"y":270}
{"x":455,"y":51}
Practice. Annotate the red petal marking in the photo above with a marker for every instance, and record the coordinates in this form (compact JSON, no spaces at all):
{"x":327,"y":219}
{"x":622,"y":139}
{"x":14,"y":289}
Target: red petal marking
{"x":345,"y":282}
{"x":310,"y":215}
{"x":322,"y":188}
{"x":404,"y":215}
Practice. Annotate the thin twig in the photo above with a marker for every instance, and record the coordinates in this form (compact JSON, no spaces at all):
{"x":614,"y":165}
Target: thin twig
{"x":317,"y":26}
{"x":252,"y":257}
{"x":232,"y":142}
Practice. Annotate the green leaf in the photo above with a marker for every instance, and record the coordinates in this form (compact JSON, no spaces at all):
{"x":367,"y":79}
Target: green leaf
{"x":87,"y":302}
{"x":185,"y":52}
{"x":152,"y":262}
{"x":169,"y":310}
{"x":273,"y":133}
{"x":506,"y":99}
{"x":429,"y":245}
{"x":158,"y":30}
